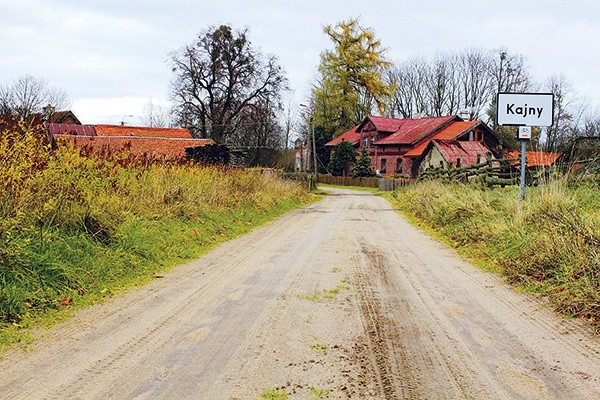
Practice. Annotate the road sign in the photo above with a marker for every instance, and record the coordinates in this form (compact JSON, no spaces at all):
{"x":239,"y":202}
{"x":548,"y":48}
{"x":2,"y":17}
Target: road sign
{"x":525,"y":109}
{"x":525,"y":132}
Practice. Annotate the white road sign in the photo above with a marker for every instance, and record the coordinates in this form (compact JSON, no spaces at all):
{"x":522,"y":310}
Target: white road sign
{"x":525,"y":109}
{"x":524,"y":132}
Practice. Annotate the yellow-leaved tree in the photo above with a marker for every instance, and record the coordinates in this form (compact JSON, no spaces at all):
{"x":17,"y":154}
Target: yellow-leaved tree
{"x":351,"y":82}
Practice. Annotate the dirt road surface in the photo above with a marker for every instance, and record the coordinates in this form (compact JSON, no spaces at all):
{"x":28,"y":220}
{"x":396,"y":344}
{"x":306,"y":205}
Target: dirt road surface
{"x":341,"y":299}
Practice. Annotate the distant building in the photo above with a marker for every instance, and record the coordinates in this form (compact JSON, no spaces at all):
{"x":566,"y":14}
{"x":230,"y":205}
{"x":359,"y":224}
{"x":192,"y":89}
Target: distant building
{"x":397,"y":146}
{"x":164,"y":143}
{"x":302,"y":154}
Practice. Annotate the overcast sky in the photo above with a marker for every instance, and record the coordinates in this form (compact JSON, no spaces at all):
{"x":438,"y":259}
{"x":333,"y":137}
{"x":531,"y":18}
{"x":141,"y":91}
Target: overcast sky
{"x":111,"y":56}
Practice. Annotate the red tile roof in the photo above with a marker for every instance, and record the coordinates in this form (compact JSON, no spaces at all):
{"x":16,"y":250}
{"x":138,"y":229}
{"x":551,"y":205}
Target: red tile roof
{"x":467,"y":151}
{"x":411,"y":131}
{"x":452,"y":131}
{"x":534,"y":158}
{"x":71,"y":129}
{"x":125,"y":131}
{"x":167,"y":143}
{"x":351,"y":136}
{"x":384,"y":124}
{"x":401,"y":131}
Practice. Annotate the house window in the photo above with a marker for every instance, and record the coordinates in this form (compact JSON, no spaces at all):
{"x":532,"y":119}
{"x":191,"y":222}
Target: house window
{"x":399,"y":166}
{"x":366,"y":142}
{"x":383,"y":165}
{"x":373,"y":140}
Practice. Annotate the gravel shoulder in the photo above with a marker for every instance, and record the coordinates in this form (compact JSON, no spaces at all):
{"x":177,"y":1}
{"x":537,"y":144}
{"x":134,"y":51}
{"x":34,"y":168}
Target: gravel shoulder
{"x":342,"y":299}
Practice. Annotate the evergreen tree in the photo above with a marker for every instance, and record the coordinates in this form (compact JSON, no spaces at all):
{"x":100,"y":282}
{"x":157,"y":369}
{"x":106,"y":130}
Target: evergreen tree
{"x":342,"y":156}
{"x":363,"y":166}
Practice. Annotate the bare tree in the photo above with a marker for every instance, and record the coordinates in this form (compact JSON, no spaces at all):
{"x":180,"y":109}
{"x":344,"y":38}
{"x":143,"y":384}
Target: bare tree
{"x":28,"y":95}
{"x":443,"y":93}
{"x":564,"y":99}
{"x":453,"y":82}
{"x":409,"y":80}
{"x":217,"y":78}
{"x":157,"y":116}
{"x":289,"y":117}
{"x":476,"y":82}
{"x":591,"y":126}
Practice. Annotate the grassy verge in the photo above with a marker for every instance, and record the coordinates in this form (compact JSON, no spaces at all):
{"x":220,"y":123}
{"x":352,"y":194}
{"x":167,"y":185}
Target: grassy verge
{"x":75,"y":230}
{"x":547,"y":244}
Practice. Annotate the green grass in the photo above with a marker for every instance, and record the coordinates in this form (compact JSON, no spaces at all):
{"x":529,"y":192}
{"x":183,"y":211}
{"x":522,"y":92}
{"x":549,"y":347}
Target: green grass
{"x":548,"y":244}
{"x":319,"y":348}
{"x":274,"y":394}
{"x":317,"y":394}
{"x":319,"y":295}
{"x":75,"y":230}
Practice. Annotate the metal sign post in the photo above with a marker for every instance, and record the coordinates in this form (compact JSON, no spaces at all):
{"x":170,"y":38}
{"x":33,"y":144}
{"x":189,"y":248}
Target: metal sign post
{"x":524,"y":135}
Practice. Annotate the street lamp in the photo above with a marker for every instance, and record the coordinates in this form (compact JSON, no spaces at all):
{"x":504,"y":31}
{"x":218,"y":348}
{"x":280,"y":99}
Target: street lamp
{"x":123,"y":119}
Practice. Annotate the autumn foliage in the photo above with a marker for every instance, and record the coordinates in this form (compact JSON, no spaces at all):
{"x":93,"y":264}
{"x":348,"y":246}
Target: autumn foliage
{"x":73,"y":223}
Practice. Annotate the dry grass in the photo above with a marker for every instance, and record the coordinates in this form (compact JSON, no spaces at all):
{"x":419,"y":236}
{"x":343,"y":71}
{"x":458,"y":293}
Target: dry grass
{"x":548,"y":244}
{"x":75,"y":228}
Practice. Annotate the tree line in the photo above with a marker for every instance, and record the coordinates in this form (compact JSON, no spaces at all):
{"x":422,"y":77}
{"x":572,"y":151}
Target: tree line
{"x":226,"y":89}
{"x":355,"y":79}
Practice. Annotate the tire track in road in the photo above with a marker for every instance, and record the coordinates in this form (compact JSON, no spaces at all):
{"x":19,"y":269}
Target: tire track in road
{"x":384,"y":341}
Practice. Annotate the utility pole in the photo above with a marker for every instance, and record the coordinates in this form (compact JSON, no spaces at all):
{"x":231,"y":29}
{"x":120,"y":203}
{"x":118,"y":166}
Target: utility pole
{"x":315,"y":169}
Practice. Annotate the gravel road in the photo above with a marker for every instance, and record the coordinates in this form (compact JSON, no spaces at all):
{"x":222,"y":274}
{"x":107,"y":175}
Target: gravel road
{"x":341,"y":299}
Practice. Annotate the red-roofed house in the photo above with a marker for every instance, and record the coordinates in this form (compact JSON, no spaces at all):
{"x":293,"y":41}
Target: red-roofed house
{"x":397,"y":146}
{"x":164,"y":143}
{"x":351,"y":136}
{"x":440,"y":152}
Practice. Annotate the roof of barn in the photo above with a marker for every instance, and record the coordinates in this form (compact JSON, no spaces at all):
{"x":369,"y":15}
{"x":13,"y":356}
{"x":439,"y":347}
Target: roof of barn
{"x":452,"y":131}
{"x":143,"y":131}
{"x":411,"y":131}
{"x":162,"y":142}
{"x":467,"y":151}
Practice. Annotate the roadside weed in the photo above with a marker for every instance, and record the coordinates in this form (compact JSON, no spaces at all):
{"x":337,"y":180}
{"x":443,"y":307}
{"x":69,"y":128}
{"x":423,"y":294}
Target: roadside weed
{"x":319,"y":348}
{"x":318,"y":394}
{"x":274,"y":394}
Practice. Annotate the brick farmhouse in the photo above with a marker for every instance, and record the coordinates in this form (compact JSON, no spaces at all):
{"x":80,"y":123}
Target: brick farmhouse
{"x":398,"y":146}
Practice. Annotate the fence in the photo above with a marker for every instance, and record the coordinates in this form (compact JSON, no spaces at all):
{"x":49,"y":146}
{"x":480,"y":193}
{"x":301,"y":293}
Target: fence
{"x":384,"y":184}
{"x":491,"y":172}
